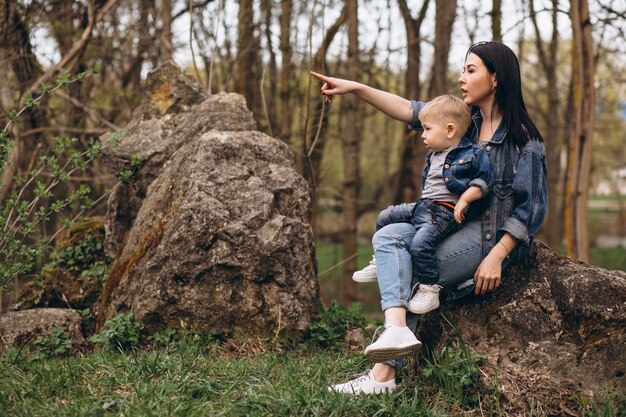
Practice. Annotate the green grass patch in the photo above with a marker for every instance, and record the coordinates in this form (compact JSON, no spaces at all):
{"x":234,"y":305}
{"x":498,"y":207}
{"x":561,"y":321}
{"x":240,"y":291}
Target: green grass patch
{"x":190,"y":379}
{"x":185,"y":374}
{"x":207,"y":379}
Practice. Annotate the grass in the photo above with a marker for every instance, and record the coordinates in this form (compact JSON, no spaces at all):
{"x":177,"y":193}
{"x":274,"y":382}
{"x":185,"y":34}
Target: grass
{"x":195,"y":375}
{"x":183,"y":374}
{"x":196,"y":378}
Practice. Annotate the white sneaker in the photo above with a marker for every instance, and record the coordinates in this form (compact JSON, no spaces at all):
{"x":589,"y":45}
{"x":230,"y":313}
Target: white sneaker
{"x":425,"y":299}
{"x":394,"y":342}
{"x":367,"y":274}
{"x":364,"y":384}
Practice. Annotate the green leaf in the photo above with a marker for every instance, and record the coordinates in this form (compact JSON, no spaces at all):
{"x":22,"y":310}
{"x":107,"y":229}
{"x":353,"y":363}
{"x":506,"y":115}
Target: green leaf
{"x":29,"y":101}
{"x":63,"y":79}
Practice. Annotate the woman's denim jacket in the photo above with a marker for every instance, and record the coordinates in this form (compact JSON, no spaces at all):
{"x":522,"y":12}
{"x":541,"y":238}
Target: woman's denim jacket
{"x":518,"y":200}
{"x":465,"y":166}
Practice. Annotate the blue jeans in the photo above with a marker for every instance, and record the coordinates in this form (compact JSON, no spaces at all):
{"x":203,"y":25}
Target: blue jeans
{"x":432,"y":223}
{"x":459,"y":256}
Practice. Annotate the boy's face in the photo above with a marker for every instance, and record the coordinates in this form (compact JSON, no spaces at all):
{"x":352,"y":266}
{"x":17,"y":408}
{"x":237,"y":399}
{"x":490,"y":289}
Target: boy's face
{"x":438,"y":135}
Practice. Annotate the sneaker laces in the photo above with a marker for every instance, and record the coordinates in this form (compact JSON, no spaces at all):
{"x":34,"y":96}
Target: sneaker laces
{"x":379,"y":329}
{"x":421,"y":295}
{"x":360,"y":378}
{"x":372,"y":263}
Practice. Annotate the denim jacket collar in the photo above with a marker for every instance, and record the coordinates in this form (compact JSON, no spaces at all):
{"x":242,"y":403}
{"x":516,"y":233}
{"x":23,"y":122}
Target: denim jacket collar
{"x":477,"y":119}
{"x":466,"y":142}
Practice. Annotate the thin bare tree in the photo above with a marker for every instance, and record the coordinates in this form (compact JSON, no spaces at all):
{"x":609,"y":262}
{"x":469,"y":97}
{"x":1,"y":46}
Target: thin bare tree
{"x":548,"y":59}
{"x":286,"y":71}
{"x":409,"y":185}
{"x":581,"y":132}
{"x":316,"y":138}
{"x":351,"y":148}
{"x":444,"y":20}
{"x":166,"y":49}
{"x":270,"y":108}
{"x":496,"y":20}
{"x":247,"y":76}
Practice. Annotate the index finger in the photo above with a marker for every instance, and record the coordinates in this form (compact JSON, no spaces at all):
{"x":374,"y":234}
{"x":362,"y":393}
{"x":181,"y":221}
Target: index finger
{"x":320,"y":76}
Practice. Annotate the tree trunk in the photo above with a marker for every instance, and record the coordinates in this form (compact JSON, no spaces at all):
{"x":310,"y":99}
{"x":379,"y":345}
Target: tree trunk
{"x":351,"y":142}
{"x":315,"y":141}
{"x":581,"y":136}
{"x":444,"y":19}
{"x":552,"y":229}
{"x":496,"y":20}
{"x":269,"y":113}
{"x":166,"y":49}
{"x":17,"y":59}
{"x":286,"y":71}
{"x":412,"y":156}
{"x":246,"y":69}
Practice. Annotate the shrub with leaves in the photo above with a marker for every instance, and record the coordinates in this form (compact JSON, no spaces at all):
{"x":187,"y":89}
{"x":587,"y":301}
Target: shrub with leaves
{"x":120,"y":333}
{"x":165,"y":337}
{"x":34,"y":198}
{"x":333,"y":323}
{"x":86,"y":256}
{"x":55,"y":345}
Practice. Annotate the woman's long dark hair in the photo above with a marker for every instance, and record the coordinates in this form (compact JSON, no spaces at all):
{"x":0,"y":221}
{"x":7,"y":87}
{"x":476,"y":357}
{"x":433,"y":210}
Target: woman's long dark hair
{"x":501,"y":60}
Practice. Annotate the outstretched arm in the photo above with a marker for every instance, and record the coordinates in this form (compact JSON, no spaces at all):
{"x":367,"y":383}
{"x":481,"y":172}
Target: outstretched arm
{"x":392,"y":105}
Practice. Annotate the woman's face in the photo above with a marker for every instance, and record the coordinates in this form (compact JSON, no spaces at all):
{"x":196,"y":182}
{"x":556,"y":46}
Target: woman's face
{"x":477,"y":84}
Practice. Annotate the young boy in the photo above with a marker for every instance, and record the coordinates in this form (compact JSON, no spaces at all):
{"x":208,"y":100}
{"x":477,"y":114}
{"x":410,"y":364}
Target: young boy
{"x":456,"y":174}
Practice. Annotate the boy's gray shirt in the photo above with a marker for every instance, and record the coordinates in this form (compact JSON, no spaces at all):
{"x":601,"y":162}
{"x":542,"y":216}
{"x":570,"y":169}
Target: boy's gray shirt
{"x":434,"y":188}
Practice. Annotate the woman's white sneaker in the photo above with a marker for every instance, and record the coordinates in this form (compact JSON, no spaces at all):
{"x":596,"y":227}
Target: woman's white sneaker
{"x":364,"y":384}
{"x":394,"y":342}
{"x":425,"y":299}
{"x":367,"y":274}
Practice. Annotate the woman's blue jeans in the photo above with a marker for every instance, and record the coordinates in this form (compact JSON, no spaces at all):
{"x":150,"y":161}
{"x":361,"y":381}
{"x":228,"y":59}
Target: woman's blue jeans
{"x":459,"y":256}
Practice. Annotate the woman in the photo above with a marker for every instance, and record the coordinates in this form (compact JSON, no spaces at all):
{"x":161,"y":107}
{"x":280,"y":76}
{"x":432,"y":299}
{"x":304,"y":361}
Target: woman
{"x":499,"y":229}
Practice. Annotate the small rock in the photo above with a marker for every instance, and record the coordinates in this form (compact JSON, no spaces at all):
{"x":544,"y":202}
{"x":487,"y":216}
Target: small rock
{"x":19,"y":327}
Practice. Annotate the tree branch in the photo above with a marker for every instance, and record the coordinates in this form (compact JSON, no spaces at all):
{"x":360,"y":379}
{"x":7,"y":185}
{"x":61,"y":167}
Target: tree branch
{"x":197,"y":5}
{"x":78,"y":46}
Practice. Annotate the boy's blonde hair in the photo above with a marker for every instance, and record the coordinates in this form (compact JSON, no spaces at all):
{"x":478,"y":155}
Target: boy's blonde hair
{"x":447,"y":109}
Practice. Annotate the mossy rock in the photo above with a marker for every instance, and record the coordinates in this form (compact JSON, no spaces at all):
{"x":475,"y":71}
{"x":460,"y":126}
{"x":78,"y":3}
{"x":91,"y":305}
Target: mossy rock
{"x":79,"y":232}
{"x":71,"y":283}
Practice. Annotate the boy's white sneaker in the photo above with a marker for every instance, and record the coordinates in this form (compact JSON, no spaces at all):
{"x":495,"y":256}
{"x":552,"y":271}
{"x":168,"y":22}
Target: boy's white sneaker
{"x":367,"y":274}
{"x":394,"y":342}
{"x":364,"y":384}
{"x":425,"y":299}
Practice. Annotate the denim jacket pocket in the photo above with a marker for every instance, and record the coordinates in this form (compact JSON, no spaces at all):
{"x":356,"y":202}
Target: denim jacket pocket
{"x":462,"y":166}
{"x":504,"y":194}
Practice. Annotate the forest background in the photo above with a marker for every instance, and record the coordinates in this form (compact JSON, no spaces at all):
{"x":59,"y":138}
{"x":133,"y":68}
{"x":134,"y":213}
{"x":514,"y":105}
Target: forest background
{"x":73,"y":70}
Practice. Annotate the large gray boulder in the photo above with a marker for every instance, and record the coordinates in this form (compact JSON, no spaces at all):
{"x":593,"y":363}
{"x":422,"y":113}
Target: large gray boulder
{"x":554,"y":326}
{"x":175,"y":110}
{"x":220,"y":240}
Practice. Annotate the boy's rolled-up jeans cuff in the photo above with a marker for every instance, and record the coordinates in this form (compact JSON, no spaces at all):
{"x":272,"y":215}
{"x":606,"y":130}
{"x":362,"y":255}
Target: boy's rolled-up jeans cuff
{"x":394,"y":303}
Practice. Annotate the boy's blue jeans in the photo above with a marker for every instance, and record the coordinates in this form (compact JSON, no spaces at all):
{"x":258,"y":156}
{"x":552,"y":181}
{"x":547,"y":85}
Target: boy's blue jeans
{"x":432,"y":222}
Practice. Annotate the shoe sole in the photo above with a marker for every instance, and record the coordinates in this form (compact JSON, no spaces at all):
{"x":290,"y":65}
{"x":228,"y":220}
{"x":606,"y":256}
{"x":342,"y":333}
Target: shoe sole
{"x":368,"y":279}
{"x":357,"y":393}
{"x":416,"y":311}
{"x":387,"y":354}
